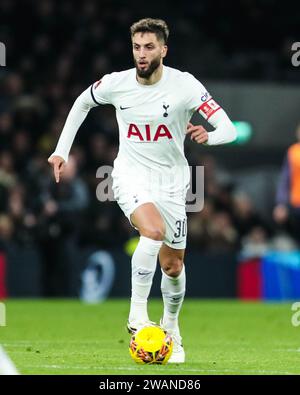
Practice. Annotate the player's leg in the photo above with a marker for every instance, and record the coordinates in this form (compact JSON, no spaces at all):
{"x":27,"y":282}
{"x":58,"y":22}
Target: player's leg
{"x":172,"y":284}
{"x":147,"y":219}
{"x":173,"y":291}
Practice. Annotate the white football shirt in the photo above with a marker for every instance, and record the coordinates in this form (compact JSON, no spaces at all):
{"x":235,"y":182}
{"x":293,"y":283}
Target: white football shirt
{"x":152,"y":123}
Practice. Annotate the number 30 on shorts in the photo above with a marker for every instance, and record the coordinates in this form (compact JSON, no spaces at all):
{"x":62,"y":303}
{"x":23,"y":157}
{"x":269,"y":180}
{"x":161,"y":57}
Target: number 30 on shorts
{"x":181,"y":226}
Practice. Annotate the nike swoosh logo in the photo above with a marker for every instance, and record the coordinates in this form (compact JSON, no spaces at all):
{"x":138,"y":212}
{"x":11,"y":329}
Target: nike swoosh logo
{"x":124,"y":108}
{"x":176,"y":242}
{"x":144,"y":273}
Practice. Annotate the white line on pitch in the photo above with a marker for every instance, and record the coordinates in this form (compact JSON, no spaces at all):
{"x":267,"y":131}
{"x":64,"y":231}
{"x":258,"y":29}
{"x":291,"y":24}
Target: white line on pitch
{"x":64,"y":367}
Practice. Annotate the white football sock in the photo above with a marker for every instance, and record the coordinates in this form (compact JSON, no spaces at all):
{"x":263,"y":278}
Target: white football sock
{"x":144,"y":262}
{"x":173,"y":291}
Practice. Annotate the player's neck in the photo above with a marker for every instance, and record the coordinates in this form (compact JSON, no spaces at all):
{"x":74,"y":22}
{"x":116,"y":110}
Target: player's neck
{"x":153,"y":79}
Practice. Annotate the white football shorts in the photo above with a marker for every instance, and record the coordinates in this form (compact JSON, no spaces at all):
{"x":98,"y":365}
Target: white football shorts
{"x":129,"y":195}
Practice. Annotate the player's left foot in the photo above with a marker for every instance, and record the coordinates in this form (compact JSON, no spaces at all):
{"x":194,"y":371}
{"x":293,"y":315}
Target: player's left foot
{"x":178,"y":353}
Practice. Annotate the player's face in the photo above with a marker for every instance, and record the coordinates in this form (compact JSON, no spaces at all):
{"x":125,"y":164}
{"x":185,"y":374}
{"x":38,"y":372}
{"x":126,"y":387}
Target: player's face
{"x":148,"y":53}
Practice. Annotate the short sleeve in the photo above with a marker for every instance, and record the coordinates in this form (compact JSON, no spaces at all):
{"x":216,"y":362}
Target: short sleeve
{"x":100,"y":90}
{"x":196,"y":93}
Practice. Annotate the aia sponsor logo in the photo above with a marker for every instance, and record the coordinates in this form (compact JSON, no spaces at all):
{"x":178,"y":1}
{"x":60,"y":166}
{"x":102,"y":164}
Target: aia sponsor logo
{"x":145,"y":133}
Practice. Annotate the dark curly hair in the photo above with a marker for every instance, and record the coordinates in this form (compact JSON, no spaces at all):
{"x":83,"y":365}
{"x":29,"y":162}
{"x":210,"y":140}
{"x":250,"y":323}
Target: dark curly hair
{"x":156,"y":26}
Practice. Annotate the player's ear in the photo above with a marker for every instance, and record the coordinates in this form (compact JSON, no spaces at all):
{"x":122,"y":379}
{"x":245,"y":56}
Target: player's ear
{"x":164,"y":51}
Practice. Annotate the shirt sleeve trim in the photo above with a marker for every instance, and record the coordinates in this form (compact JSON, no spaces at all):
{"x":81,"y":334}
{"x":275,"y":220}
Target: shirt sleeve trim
{"x":93,"y":97}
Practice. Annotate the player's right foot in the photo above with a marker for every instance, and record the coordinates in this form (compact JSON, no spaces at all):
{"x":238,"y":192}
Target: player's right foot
{"x":133,"y":327}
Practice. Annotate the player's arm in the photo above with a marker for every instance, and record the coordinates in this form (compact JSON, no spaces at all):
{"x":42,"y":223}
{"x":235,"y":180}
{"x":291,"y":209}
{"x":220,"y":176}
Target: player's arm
{"x":88,"y":99}
{"x":76,"y":116}
{"x":198,"y":99}
{"x":224,"y":130}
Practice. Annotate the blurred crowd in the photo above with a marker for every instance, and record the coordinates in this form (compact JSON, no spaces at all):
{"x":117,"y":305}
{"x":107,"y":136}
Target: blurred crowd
{"x":55,"y":50}
{"x":61,"y":46}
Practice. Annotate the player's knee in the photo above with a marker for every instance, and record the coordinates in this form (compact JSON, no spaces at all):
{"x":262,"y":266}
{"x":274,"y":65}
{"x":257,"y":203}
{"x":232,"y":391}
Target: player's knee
{"x":173,"y":267}
{"x":154,"y":233}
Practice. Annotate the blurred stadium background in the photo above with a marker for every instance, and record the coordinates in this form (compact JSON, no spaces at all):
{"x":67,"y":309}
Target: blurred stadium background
{"x":59,"y":240}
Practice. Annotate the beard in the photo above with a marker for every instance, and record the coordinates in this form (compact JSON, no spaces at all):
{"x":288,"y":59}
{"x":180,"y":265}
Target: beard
{"x":146,"y":73}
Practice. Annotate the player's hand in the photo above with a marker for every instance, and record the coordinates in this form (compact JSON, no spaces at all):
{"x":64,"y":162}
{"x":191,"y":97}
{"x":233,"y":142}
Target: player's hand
{"x":280,"y":213}
{"x":58,"y":164}
{"x":197,"y":133}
